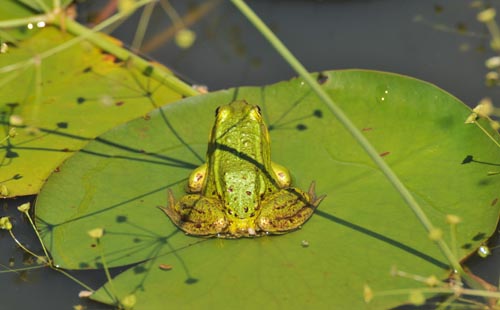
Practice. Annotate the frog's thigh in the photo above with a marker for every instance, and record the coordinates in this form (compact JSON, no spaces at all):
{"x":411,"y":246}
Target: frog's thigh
{"x":285,"y":210}
{"x":198,"y":215}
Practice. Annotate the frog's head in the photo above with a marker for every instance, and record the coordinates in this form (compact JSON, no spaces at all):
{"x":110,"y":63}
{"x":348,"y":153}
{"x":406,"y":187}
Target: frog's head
{"x":240,"y":117}
{"x":237,"y":112}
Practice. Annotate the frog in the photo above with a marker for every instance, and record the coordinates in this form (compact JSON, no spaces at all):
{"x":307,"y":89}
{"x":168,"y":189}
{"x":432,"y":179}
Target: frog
{"x":239,"y":192}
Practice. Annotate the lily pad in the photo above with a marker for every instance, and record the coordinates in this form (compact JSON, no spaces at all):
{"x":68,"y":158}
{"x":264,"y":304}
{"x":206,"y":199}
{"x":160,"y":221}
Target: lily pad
{"x":58,"y":102}
{"x":359,"y":232}
{"x":17,"y":10}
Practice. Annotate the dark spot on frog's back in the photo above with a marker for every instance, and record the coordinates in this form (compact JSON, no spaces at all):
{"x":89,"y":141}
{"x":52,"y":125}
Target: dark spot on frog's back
{"x":245,"y":209}
{"x":248,"y":193}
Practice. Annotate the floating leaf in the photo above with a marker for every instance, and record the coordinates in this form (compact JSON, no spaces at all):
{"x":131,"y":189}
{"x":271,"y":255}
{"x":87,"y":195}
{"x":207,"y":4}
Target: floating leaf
{"x":58,"y":103}
{"x":358,"y":233}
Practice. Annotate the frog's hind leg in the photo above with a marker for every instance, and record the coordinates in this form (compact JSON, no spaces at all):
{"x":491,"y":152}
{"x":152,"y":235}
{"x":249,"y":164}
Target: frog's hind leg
{"x":287,"y":209}
{"x":196,"y":215}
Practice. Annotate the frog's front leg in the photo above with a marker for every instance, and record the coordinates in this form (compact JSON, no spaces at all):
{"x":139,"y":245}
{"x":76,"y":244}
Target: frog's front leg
{"x":282,"y":175}
{"x":196,"y":179}
{"x":287,"y":209}
{"x":196,"y":214}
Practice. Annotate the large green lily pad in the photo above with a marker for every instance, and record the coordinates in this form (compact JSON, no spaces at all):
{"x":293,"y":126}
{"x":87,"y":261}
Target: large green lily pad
{"x":359,"y":232}
{"x":63,"y":100}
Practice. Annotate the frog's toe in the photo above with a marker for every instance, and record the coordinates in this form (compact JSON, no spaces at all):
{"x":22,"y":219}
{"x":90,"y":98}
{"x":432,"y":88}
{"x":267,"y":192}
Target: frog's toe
{"x":315,"y":201}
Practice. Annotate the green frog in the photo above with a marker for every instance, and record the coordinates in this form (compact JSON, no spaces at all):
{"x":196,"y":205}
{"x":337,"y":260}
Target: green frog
{"x":239,"y":192}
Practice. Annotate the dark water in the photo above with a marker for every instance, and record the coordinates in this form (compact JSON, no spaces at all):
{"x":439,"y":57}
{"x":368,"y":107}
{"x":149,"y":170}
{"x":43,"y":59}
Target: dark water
{"x":381,"y":35}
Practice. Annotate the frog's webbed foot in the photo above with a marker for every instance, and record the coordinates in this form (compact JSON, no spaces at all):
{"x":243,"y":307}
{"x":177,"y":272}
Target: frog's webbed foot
{"x":288,"y":209}
{"x":196,"y":215}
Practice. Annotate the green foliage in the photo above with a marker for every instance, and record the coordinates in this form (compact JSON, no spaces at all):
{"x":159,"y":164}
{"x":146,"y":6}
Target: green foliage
{"x":358,"y":233}
{"x":58,"y":101}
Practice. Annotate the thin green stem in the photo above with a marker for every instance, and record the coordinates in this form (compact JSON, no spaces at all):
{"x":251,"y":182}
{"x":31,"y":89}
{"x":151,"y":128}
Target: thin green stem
{"x":495,"y":33}
{"x":46,"y":258}
{"x":445,"y":290}
{"x":106,"y":270}
{"x":453,"y":235}
{"x":88,"y":288}
{"x":142,"y":27}
{"x":157,"y":73}
{"x":9,"y":270}
{"x":39,"y":237}
{"x":344,"y":120}
{"x":83,"y":33}
{"x":41,"y":4}
{"x":172,"y":13}
{"x":17,"y":22}
{"x":26,"y":249}
{"x":4,"y":139}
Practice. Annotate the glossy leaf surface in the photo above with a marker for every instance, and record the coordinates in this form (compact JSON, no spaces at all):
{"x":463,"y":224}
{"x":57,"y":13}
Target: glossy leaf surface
{"x":58,"y":100}
{"x":359,"y":232}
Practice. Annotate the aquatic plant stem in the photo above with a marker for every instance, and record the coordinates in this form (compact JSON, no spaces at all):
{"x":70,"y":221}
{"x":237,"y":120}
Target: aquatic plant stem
{"x":81,"y":32}
{"x":38,"y":236}
{"x":106,"y":271}
{"x":358,"y":136}
{"x":161,"y":75}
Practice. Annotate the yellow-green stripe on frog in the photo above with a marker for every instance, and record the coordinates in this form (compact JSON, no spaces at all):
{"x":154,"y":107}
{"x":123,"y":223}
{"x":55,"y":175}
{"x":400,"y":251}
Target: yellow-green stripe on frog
{"x":239,"y":192}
